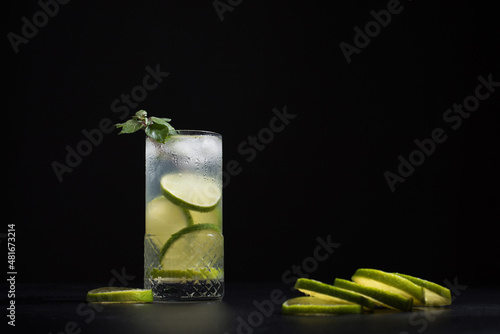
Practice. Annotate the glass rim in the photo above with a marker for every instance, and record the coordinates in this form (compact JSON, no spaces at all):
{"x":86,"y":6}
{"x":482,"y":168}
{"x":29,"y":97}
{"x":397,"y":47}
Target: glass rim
{"x":199,"y":132}
{"x":188,"y":132}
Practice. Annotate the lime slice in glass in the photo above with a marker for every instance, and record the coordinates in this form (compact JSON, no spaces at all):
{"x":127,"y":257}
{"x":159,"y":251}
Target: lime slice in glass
{"x":165,"y":218}
{"x":211,"y":217}
{"x":119,"y":295}
{"x":379,"y":297}
{"x":317,"y":306}
{"x":194,"y":247}
{"x":331,"y":293}
{"x":435,"y":294}
{"x":390,"y":282}
{"x":191,"y":191}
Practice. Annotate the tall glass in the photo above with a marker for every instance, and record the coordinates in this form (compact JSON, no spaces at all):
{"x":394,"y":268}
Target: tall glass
{"x":183,"y":244}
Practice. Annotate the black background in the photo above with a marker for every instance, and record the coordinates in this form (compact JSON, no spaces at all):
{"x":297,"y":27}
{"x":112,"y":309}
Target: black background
{"x":321,"y":176}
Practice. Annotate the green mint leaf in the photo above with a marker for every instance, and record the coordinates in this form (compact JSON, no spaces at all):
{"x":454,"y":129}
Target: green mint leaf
{"x":158,"y":129}
{"x":158,"y":132}
{"x":129,"y":126}
{"x":170,"y":129}
{"x":163,"y":121}
{"x":141,"y":114}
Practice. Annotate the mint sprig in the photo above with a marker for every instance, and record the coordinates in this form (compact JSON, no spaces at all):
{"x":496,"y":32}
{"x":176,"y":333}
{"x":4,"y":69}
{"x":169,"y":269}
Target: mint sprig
{"x":158,"y":129}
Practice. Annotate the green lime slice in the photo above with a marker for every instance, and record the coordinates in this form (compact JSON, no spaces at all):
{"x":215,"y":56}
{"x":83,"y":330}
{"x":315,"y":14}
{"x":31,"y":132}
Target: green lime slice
{"x":119,"y":295}
{"x":317,"y":306}
{"x":191,"y":191}
{"x":379,"y":297}
{"x":164,"y":218}
{"x":211,"y":217}
{"x":331,"y":293}
{"x":193,"y":247}
{"x":435,"y":294}
{"x":390,"y":282}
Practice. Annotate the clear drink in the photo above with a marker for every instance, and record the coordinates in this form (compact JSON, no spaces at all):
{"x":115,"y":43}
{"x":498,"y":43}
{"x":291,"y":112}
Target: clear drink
{"x":183,"y":244}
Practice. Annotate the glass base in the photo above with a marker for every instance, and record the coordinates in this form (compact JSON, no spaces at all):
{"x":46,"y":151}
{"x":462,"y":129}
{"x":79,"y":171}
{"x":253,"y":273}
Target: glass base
{"x":196,"y":290}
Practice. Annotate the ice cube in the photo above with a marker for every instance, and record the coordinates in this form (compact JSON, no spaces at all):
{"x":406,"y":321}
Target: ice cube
{"x":211,"y":147}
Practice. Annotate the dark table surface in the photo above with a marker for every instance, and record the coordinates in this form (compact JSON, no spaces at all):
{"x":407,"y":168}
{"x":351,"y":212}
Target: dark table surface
{"x":246,"y":308}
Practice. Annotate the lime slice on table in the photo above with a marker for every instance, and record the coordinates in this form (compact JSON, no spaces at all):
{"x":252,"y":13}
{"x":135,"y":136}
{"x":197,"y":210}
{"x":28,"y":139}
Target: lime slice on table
{"x":191,"y":191}
{"x":435,"y":294}
{"x":379,"y":297}
{"x":318,"y":306}
{"x":197,"y":247}
{"x":390,"y":282}
{"x":331,"y":293}
{"x":165,"y":218}
{"x":119,"y":295}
